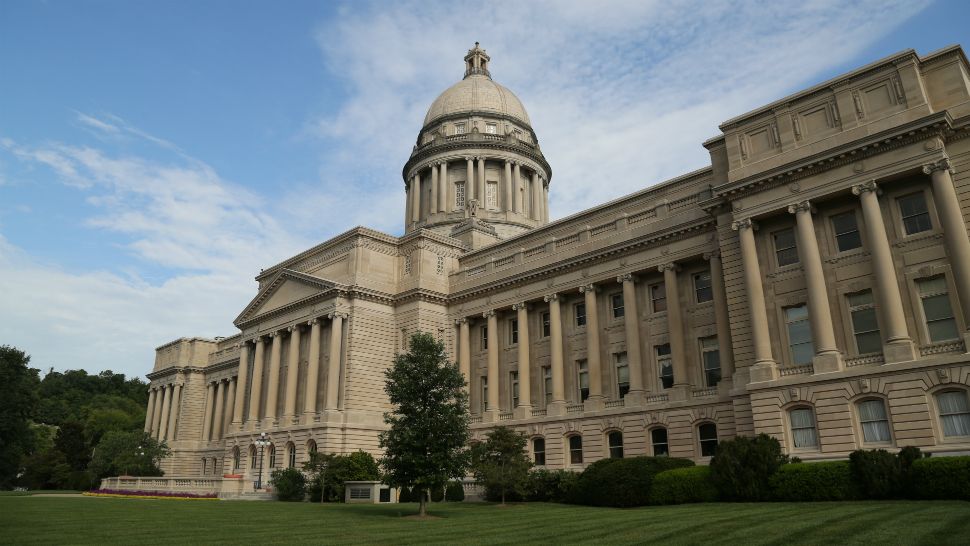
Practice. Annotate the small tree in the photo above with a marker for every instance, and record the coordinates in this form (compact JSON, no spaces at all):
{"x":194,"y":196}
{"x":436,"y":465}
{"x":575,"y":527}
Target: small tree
{"x":289,"y":484}
{"x":741,"y":467}
{"x":135,"y":453}
{"x":331,"y":471}
{"x":500,"y":462}
{"x":425,"y":444}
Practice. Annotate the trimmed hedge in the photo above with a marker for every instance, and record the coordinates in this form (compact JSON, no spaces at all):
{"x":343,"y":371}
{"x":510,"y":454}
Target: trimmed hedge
{"x":621,"y":482}
{"x":683,"y":485}
{"x":550,"y":485}
{"x":941,"y":478}
{"x":742,"y":467}
{"x":455,"y":492}
{"x":825,"y":481}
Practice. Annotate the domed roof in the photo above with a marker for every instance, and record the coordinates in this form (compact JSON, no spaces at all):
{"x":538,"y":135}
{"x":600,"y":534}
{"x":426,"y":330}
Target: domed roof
{"x":477,"y":93}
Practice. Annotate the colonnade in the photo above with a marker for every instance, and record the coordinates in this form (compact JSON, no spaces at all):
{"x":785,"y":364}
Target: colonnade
{"x":161,"y":418}
{"x":219,"y":399}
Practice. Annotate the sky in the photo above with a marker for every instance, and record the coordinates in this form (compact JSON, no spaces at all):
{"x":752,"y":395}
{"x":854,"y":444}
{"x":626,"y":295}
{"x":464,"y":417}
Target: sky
{"x":154,"y":156}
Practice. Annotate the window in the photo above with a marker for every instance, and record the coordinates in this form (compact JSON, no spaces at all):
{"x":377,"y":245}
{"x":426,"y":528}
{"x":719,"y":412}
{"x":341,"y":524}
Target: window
{"x":711,"y":359}
{"x":702,"y":287}
{"x":235,"y":458}
{"x":513,"y":331}
{"x":935,"y":297}
{"x":616,"y":303}
{"x":290,"y":456}
{"x":205,"y":465}
{"x":459,"y":128}
{"x":658,"y":297}
{"x":575,"y":450}
{"x":514,"y":388}
{"x":658,"y":440}
{"x":622,"y":374}
{"x":539,"y":451}
{"x":582,"y":370}
{"x":546,"y":328}
{"x":311,"y":448}
{"x":864,"y":324}
{"x":799,"y":334}
{"x":708,"y":438}
{"x":484,"y":338}
{"x":846,"y":231}
{"x":874,"y":421}
{"x":252,"y":458}
{"x":803,"y":428}
{"x":490,"y":128}
{"x":484,"y":384}
{"x":580,"y":310}
{"x":954,"y":413}
{"x":786,"y":250}
{"x":547,"y":384}
{"x":459,"y":195}
{"x":615,"y":442}
{"x":359,"y":493}
{"x":272,"y":455}
{"x":491,"y":195}
{"x":665,"y":365}
{"x":915,"y":215}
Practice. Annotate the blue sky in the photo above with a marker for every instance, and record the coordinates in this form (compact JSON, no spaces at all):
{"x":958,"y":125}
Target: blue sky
{"x":155,"y":155}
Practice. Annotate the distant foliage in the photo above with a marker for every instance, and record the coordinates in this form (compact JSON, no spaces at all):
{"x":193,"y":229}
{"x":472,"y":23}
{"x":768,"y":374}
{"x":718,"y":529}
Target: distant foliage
{"x":742,"y":467}
{"x":621,"y":482}
{"x":18,"y":399}
{"x":132,"y":453}
{"x":683,"y":485}
{"x":289,"y":484}
{"x":824,"y":481}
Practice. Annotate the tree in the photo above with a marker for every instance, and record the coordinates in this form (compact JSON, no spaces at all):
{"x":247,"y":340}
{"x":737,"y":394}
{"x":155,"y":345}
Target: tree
{"x":18,"y":396}
{"x":331,"y":471}
{"x":135,"y":453}
{"x":500,"y":462}
{"x":70,"y":441}
{"x":425,"y":445}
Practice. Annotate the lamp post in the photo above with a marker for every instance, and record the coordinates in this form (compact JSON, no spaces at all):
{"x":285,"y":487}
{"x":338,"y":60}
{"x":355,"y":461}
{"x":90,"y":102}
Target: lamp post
{"x":262,"y":442}
{"x":323,"y":481}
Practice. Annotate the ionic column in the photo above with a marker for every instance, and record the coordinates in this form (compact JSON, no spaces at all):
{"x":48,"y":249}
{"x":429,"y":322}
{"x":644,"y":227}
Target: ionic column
{"x":725,"y":350}
{"x":255,"y":394}
{"x":525,"y":375}
{"x":292,"y":374}
{"x":274,"y":376}
{"x":312,"y":369}
{"x":149,"y":410}
{"x":517,"y":187}
{"x":157,"y":414}
{"x":464,"y":350}
{"x":220,"y":399}
{"x":416,"y":197}
{"x":765,"y":368}
{"x":443,"y":187}
{"x":481,"y":181}
{"x":209,"y":409}
{"x":433,"y":205}
{"x":954,"y":232}
{"x":493,"y":380}
{"x":675,"y":324}
{"x":333,"y":365}
{"x":173,"y":411}
{"x":545,"y":202}
{"x":166,"y":407}
{"x":631,"y":320}
{"x":407,"y":206}
{"x":243,"y":373}
{"x":470,"y":179}
{"x":536,"y":197}
{"x":592,"y":343}
{"x":509,"y":196}
{"x":230,"y":403}
{"x":555,"y":353}
{"x":898,"y":346}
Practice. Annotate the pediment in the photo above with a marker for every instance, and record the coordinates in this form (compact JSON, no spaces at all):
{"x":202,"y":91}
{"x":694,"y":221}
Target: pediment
{"x":286,"y":289}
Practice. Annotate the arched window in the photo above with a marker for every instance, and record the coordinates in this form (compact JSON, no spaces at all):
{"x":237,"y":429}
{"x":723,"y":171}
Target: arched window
{"x":217,"y":464}
{"x":803,"y":432}
{"x":252,"y":457}
{"x":204,"y":465}
{"x":708,"y":439}
{"x":539,"y":451}
{"x":615,"y":442}
{"x":235,"y":458}
{"x":311,"y":448}
{"x":954,"y":413}
{"x":658,"y":440}
{"x":272,"y":455}
{"x":874,"y":421}
{"x":290,"y":455}
{"x":575,"y":449}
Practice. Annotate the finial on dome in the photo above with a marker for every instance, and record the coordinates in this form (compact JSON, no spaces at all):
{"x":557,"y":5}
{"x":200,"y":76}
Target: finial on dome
{"x":476,"y":62}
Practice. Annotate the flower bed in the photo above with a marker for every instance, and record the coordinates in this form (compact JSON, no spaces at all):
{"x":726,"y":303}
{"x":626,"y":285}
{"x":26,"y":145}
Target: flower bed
{"x":123,"y":494}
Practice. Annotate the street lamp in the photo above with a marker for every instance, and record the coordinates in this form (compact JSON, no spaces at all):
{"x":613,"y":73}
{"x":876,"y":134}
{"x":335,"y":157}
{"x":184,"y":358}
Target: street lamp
{"x":323,"y":481}
{"x":262,"y":442}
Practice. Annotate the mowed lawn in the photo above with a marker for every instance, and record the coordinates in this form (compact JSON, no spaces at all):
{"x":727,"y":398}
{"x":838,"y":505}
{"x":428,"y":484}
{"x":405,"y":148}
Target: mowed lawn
{"x":50,"y":520}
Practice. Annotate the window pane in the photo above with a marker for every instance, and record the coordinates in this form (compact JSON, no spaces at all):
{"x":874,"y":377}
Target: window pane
{"x":913,"y":209}
{"x":860,"y":298}
{"x":942,"y":330}
{"x":803,"y":428}
{"x":794,"y":313}
{"x":663,"y":350}
{"x":803,"y":353}
{"x":869,"y":342}
{"x":935,"y":285}
{"x":617,"y":303}
{"x":937,"y":307}
{"x":658,"y":293}
{"x":658,"y":438}
{"x":702,"y":287}
{"x":800,"y":332}
{"x":846,"y":231}
{"x":667,"y":374}
{"x":580,"y":314}
{"x":785,"y":249}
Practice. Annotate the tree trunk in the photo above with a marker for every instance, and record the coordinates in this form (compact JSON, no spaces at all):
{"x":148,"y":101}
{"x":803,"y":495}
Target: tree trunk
{"x":421,"y":505}
{"x":503,"y":496}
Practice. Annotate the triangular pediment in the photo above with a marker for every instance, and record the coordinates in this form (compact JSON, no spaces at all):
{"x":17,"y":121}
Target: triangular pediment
{"x":286,"y":289}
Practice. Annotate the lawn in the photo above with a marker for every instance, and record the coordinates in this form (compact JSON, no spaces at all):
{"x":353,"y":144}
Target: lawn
{"x":48,"y":520}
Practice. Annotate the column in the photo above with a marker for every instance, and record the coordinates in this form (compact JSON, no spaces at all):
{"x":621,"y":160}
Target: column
{"x":675,"y":326}
{"x":256,"y":391}
{"x":433,"y":204}
{"x":166,"y":408}
{"x":230,"y":403}
{"x":593,"y":361}
{"x":220,"y":408}
{"x":173,"y":411}
{"x":536,"y":199}
{"x":157,"y":414}
{"x":494,"y":384}
{"x":243,"y":373}
{"x":407,"y":206}
{"x":464,"y":350}
{"x":149,"y":410}
{"x":898,"y":346}
{"x":725,"y":351}
{"x":292,"y":374}
{"x":631,"y":323}
{"x":517,"y":187}
{"x":209,"y":409}
{"x":765,"y":368}
{"x":312,"y":369}
{"x":416,"y":197}
{"x":443,"y":187}
{"x":509,"y":196}
{"x":524,"y":410}
{"x":481,"y":181}
{"x":333,"y":365}
{"x":470,"y":179}
{"x":545,"y":202}
{"x":954,"y":233}
{"x":272,"y":396}
{"x":558,"y":404}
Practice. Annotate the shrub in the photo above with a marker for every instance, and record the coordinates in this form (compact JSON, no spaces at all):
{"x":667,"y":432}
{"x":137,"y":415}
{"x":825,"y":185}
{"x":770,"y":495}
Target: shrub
{"x":437,"y":493}
{"x":455,"y":492}
{"x":550,"y":485}
{"x":621,"y":482}
{"x":683,"y":485}
{"x":742,"y":467}
{"x":825,"y":481}
{"x":289,"y":484}
{"x":875,"y":472}
{"x":941,"y":478}
{"x":907,"y":456}
{"x":314,"y":491}
{"x":404,"y":495}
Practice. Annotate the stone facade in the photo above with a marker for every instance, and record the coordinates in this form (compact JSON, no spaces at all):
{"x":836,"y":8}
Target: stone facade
{"x":812,"y":283}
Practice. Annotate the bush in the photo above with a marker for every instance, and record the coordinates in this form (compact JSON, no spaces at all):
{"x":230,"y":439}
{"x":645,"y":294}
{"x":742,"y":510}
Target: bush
{"x":550,"y":485}
{"x":875,"y":472}
{"x":941,"y":478}
{"x":314,"y":490}
{"x":742,"y":467}
{"x":907,"y":456}
{"x":455,"y":492}
{"x":289,"y":484}
{"x":826,"y":481}
{"x":621,"y":482}
{"x":404,"y":495}
{"x":437,"y":493}
{"x":683,"y":485}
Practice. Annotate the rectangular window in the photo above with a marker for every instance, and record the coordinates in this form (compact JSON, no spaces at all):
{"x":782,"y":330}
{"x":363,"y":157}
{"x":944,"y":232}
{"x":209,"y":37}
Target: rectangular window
{"x":786,"y":250}
{"x":622,"y":374}
{"x":658,"y":297}
{"x":803,"y":428}
{"x":702,"y":287}
{"x":616,"y":303}
{"x":658,"y":440}
{"x":539,"y":451}
{"x":484,"y":404}
{"x":874,"y":421}
{"x":864,"y":324}
{"x":665,"y":365}
{"x":915,"y":215}
{"x":575,"y":450}
{"x":846,"y":231}
{"x":514,"y":388}
{"x":582,"y":379}
{"x":490,"y":128}
{"x":799,"y":334}
{"x":459,"y":128}
{"x":484,"y":338}
{"x":580,"y":311}
{"x":491,"y":195}
{"x":460,"y":195}
{"x":547,"y":384}
{"x":954,"y":413}
{"x":545,"y":325}
{"x":935,"y":297}
{"x":513,"y":331}
{"x":711,"y":359}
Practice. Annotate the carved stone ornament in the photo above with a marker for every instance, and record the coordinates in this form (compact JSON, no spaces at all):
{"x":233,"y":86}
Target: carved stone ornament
{"x":489,"y":313}
{"x":669,"y":265}
{"x":738,"y":225}
{"x":521,"y":305}
{"x":793,"y":394}
{"x":550,"y":297}
{"x":625,"y":277}
{"x":587,"y":288}
{"x":869,"y":186}
{"x":864,"y":385}
{"x":941,"y":165}
{"x":801,"y":206}
{"x":943,"y":374}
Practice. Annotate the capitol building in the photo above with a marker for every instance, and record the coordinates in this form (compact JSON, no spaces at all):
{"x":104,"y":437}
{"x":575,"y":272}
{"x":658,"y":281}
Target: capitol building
{"x":811,"y":283}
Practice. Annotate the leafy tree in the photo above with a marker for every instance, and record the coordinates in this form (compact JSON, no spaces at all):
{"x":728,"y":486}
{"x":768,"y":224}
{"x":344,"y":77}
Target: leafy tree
{"x":500,"y":462}
{"x":46,"y":470}
{"x":289,"y":484}
{"x":135,"y":453}
{"x":331,"y":471}
{"x":425,"y":445}
{"x":18,"y":396}
{"x":70,"y":441}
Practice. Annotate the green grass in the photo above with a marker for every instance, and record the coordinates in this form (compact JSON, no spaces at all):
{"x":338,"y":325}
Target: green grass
{"x":40,"y":520}
{"x":38,"y":492}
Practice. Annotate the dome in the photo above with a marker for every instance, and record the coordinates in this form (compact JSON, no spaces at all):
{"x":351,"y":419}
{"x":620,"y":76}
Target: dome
{"x":477,"y":93}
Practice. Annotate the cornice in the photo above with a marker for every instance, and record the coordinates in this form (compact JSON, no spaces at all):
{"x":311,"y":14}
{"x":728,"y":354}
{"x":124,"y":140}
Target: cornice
{"x":423,"y":154}
{"x":334,"y":242}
